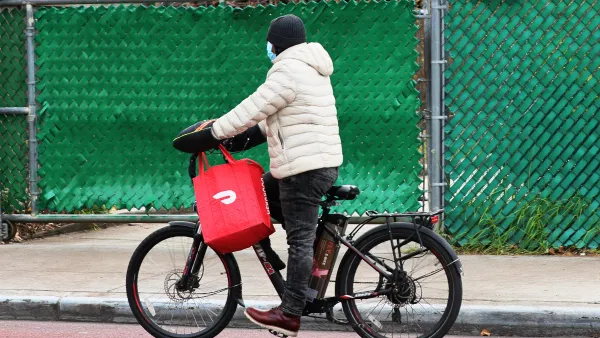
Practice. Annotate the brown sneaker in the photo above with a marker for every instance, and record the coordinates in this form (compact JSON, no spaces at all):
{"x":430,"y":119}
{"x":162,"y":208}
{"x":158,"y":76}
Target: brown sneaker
{"x":275,"y":319}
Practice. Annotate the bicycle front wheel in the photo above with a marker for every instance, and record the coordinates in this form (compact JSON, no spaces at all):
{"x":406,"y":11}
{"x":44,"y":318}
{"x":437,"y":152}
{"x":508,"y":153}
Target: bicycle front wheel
{"x":423,"y":301}
{"x":164,"y":310}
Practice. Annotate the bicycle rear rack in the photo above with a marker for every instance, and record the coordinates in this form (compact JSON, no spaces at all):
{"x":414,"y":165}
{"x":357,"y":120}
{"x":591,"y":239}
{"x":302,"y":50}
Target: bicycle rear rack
{"x":426,"y":219}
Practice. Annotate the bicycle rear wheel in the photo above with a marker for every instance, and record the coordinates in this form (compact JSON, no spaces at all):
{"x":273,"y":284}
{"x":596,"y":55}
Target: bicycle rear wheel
{"x":427,"y":293}
{"x":202,"y":311}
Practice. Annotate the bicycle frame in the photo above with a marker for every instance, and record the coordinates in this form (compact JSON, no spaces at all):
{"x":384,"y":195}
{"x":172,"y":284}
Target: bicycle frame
{"x":324,"y":304}
{"x":277,"y":279}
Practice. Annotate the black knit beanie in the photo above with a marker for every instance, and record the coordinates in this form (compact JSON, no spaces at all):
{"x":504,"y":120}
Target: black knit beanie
{"x":286,"y":31}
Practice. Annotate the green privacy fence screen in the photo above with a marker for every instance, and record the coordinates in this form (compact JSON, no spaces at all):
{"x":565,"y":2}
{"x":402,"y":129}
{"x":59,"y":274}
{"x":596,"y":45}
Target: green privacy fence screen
{"x":523,"y":140}
{"x":13,"y":93}
{"x":117,"y":83}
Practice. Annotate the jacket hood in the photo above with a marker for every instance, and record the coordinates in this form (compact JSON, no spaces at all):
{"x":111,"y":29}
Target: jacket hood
{"x":313,"y":54}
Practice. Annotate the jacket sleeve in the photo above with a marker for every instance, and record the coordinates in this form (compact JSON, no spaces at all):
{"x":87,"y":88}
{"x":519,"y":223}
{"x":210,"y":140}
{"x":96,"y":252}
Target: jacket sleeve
{"x":275,"y":94}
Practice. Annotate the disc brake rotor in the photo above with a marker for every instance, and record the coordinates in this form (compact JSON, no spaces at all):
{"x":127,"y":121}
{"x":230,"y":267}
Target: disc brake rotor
{"x":177,"y":294}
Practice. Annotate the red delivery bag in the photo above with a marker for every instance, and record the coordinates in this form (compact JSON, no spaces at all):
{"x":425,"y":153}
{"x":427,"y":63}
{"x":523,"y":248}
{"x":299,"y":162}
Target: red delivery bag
{"x":232,"y":203}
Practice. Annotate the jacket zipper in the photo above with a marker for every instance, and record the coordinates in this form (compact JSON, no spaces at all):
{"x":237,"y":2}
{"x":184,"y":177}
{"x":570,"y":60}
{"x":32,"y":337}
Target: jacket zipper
{"x":280,"y":139}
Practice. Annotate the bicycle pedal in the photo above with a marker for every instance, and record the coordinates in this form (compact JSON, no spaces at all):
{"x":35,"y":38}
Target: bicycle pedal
{"x":278,"y":334}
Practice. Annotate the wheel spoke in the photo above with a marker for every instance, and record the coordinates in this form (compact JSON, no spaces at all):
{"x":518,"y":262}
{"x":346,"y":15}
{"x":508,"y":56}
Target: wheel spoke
{"x":429,"y":274}
{"x":420,"y":277}
{"x":179,"y":311}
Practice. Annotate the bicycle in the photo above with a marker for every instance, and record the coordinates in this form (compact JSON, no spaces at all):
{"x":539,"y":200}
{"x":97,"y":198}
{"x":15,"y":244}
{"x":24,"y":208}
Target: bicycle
{"x":184,"y":285}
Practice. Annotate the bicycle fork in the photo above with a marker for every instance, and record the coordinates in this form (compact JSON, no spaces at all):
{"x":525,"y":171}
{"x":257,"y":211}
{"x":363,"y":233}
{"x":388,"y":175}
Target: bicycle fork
{"x":190,"y":279}
{"x":193,"y":262}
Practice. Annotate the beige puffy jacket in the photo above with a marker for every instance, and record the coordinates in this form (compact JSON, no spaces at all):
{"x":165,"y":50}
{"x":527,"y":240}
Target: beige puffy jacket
{"x":295,"y":109}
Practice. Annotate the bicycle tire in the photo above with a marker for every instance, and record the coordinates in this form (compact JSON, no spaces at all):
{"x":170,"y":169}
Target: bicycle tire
{"x":432,"y":241}
{"x":233,"y":275}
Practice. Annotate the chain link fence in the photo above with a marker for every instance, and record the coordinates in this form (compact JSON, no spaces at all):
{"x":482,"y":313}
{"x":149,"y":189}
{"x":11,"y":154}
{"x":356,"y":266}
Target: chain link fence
{"x":13,"y":123}
{"x":106,"y":117}
{"x":523,"y":151}
{"x":521,"y":97}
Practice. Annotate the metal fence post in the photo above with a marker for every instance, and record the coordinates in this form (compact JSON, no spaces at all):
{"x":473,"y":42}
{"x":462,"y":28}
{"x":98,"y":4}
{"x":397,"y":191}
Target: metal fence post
{"x":31,"y":102}
{"x":437,"y":112}
{"x":4,"y":231}
{"x":443,"y":110}
{"x":1,"y":223}
{"x":427,"y":65}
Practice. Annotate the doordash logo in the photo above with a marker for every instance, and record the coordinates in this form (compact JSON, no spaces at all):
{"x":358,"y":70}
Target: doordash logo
{"x":265,"y":194}
{"x":226,"y":197}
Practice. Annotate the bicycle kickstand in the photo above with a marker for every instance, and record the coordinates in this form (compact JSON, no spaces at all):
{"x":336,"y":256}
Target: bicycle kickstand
{"x":330,"y":317}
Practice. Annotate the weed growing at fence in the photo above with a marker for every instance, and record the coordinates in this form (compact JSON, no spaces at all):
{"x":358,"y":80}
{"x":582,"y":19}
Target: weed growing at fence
{"x":528,"y":228}
{"x":93,"y":210}
{"x":4,"y":201}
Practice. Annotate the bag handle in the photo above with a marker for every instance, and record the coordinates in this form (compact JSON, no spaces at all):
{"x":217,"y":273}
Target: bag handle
{"x":192,"y":166}
{"x":226,"y":154}
{"x":204,"y":161}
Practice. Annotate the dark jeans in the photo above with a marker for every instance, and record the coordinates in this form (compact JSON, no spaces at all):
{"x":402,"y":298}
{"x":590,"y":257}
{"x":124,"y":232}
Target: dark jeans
{"x":294,"y":201}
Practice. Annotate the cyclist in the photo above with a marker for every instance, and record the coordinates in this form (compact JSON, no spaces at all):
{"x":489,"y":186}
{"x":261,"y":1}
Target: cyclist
{"x":294,"y":112}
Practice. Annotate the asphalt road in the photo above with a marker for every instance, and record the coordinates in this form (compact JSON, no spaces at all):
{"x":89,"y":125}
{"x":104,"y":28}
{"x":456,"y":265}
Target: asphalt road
{"x":34,"y":329}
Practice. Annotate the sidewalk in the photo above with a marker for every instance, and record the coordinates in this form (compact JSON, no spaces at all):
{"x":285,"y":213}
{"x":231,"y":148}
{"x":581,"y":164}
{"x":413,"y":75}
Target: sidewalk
{"x":92,"y":264}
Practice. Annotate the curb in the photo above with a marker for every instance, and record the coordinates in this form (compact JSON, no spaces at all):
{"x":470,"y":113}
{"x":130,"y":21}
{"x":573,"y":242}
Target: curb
{"x":499,"y":320}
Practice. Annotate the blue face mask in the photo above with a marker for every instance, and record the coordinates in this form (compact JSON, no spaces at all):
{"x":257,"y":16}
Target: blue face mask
{"x":270,"y":53}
